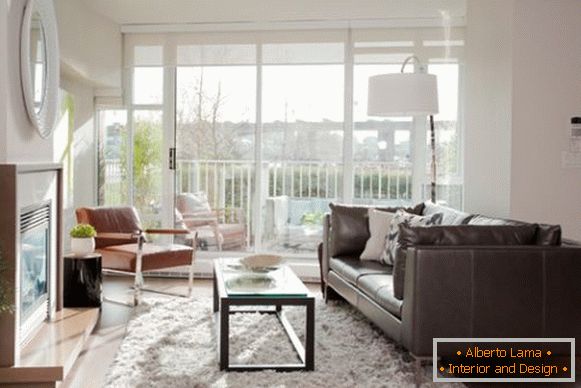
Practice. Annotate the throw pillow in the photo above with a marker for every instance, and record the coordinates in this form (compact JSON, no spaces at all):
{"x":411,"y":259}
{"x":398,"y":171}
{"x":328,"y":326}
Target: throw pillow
{"x":449,"y":216}
{"x":379,"y":222}
{"x":401,"y":217}
{"x":194,"y":203}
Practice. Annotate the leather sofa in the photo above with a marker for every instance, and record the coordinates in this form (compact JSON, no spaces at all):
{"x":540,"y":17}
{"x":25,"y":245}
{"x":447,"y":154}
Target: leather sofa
{"x":523,"y":281}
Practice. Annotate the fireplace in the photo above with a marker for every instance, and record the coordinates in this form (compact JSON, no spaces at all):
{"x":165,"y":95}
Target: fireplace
{"x":30,"y":239}
{"x":35,"y":243}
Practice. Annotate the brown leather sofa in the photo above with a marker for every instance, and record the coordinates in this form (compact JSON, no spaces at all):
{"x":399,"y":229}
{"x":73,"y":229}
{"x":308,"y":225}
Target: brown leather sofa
{"x":485,"y":278}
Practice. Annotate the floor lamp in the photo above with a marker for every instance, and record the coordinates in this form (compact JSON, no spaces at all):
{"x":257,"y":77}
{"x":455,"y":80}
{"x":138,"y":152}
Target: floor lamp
{"x":407,"y":94}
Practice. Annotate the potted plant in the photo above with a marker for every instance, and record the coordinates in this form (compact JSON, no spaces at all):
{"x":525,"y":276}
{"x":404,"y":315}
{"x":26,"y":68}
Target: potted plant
{"x":83,"y":239}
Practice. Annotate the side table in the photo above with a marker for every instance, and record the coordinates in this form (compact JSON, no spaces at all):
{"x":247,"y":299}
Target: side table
{"x":83,"y":281}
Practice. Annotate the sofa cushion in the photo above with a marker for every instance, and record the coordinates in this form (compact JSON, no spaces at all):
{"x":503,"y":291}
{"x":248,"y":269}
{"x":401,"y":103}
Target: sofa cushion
{"x":548,"y":234}
{"x":479,"y":219}
{"x":379,"y":287}
{"x":449,"y":216}
{"x":467,"y":235}
{"x":379,"y":222}
{"x":485,"y":235}
{"x":351,"y":268}
{"x":400,"y":218}
{"x":350,"y":227}
{"x":545,"y":235}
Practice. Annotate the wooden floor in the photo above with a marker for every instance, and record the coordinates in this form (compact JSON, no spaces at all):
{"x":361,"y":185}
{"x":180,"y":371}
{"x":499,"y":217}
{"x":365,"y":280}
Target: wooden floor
{"x":91,"y":367}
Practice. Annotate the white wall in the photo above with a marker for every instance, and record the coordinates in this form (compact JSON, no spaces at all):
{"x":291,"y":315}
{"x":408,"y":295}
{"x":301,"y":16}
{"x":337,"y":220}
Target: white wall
{"x":90,"y":44}
{"x":523,"y":65}
{"x":82,"y":160}
{"x":487,"y":137}
{"x":546,"y":94}
{"x":22,"y":142}
{"x":3,"y":78}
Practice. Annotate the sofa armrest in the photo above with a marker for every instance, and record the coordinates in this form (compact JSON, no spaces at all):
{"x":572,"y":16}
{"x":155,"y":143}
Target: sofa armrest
{"x":501,"y":291}
{"x":326,"y":243}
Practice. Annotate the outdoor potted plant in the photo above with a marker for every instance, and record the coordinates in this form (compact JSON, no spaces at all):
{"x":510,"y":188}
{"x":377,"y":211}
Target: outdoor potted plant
{"x":83,"y":239}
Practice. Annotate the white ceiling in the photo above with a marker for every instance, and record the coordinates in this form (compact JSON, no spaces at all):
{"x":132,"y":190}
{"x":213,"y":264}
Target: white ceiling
{"x":136,"y":12}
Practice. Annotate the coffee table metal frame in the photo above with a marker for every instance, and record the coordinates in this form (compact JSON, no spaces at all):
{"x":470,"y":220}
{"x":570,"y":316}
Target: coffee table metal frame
{"x":222,"y":304}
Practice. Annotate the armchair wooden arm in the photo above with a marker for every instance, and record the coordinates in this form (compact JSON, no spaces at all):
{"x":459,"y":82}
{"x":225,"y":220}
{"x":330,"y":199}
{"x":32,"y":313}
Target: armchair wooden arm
{"x":118,"y":236}
{"x":167,"y":231}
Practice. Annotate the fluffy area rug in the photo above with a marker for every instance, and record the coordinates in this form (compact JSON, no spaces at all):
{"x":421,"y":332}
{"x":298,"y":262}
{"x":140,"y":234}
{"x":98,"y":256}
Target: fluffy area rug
{"x":172,"y":343}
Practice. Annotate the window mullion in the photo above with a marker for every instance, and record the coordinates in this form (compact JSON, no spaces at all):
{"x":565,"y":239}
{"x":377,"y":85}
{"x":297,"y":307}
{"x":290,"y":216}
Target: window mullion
{"x":258,"y":175}
{"x":129,"y":90}
{"x":348,"y":123}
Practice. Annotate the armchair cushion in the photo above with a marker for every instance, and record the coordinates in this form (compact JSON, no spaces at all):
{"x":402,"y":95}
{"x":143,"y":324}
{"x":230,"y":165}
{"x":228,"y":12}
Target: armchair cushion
{"x":123,"y":257}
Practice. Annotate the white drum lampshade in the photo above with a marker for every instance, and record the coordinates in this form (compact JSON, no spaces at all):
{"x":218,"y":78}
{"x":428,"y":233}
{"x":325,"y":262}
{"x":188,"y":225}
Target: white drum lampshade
{"x":402,"y":94}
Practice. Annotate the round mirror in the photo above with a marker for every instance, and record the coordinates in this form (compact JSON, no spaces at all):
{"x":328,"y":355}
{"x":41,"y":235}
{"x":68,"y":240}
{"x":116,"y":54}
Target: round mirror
{"x":39,"y":65}
{"x":37,"y":60}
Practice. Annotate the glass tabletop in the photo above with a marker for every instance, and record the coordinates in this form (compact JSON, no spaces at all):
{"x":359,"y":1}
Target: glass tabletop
{"x":279,"y":282}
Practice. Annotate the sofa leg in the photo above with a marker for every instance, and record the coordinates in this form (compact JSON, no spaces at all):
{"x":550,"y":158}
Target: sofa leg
{"x":331,"y":294}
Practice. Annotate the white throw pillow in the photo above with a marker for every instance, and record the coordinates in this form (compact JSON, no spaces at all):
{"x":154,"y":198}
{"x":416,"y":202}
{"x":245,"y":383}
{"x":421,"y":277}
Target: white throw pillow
{"x":379,"y":222}
{"x":194,"y":203}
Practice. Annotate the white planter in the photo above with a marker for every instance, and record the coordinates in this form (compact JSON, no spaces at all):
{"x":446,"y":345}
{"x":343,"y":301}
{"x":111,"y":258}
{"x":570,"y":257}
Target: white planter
{"x":82,"y":246}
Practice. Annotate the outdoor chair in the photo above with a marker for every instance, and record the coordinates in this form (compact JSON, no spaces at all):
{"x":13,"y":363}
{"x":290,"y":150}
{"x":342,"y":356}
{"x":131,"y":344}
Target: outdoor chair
{"x":224,"y":228}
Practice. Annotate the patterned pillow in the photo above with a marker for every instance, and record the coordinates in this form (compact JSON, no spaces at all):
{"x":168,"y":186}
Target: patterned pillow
{"x":402,"y":217}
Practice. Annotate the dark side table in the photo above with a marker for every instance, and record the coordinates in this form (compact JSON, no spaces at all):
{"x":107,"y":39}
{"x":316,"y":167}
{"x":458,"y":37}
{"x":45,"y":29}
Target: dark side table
{"x":82,"y":281}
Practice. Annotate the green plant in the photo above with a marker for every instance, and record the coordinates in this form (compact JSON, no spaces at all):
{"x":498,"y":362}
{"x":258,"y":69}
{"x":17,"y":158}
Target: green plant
{"x":5,"y":305}
{"x":83,"y":231}
{"x":314,"y":218}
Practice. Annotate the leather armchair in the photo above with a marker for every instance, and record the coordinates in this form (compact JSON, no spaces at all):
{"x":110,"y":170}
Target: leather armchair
{"x":122,"y":242}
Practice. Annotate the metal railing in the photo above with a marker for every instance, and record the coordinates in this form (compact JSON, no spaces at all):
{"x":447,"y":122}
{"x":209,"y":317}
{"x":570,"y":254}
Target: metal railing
{"x":228,"y":183}
{"x":231,"y":183}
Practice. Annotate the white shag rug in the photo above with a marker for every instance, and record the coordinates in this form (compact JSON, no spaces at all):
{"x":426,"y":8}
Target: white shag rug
{"x":172,"y":343}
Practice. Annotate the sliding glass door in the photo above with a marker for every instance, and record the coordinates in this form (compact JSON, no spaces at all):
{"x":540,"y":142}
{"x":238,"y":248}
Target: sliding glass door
{"x":215,"y":126}
{"x":302,"y":115}
{"x":247,"y":137}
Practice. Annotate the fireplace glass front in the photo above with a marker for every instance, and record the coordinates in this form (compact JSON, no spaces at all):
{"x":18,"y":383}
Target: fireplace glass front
{"x":34,"y":260}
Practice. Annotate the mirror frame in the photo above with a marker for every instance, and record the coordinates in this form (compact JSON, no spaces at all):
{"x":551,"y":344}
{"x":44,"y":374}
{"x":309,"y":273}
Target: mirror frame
{"x":44,"y":120}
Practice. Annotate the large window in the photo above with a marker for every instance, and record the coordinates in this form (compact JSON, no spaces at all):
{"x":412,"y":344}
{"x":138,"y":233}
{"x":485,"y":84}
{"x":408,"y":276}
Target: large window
{"x":272,"y":126}
{"x":302,"y":114}
{"x":215,"y":127}
{"x":382,"y":149}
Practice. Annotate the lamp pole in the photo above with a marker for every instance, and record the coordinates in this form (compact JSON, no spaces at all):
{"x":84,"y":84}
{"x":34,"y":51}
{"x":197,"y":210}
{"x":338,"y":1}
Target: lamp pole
{"x":433,"y":163}
{"x":421,"y":69}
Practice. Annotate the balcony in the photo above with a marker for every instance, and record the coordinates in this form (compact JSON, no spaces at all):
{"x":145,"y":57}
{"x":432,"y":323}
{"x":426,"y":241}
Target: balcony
{"x":295,"y":194}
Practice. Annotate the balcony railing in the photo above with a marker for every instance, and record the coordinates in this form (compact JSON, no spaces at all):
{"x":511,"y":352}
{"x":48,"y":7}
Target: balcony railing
{"x":306,"y":187}
{"x":229,"y":183}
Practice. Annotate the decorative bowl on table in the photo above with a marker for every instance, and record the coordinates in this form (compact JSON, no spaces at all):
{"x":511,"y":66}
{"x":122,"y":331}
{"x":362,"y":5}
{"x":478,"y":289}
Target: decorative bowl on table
{"x":261,"y":263}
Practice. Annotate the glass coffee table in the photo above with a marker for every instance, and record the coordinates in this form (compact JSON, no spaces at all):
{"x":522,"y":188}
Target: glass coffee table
{"x":265,"y":292}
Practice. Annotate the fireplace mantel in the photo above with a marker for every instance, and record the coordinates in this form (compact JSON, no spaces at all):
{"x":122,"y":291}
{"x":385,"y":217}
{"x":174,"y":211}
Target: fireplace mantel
{"x":23,"y":185}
